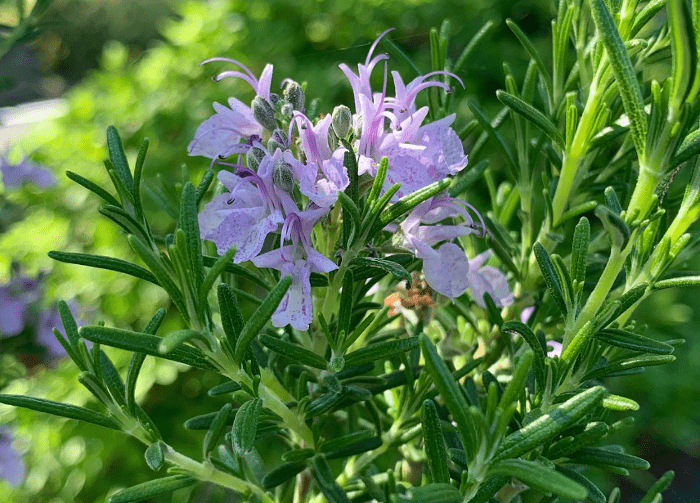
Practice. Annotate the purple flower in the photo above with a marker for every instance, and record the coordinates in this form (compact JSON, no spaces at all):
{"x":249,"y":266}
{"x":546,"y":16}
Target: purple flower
{"x":14,"y":175}
{"x":324,"y":173}
{"x":298,"y":259}
{"x":220,"y":135}
{"x":486,"y":279}
{"x":12,"y":466}
{"x":448,"y":270}
{"x":392,"y":126}
{"x":15,"y":298}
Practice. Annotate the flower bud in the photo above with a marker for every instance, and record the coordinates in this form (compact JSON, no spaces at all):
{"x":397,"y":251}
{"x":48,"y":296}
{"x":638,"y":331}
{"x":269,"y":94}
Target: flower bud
{"x":277,"y":140}
{"x":333,"y":142}
{"x":342,"y":121}
{"x":283,"y":176}
{"x":263,"y":113}
{"x":274,"y":98}
{"x":254,"y":157}
{"x":357,"y":130}
{"x":294,"y":94}
{"x":287,"y":110}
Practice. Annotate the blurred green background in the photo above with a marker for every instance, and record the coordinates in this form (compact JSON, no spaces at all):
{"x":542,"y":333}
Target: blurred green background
{"x":135,"y":64}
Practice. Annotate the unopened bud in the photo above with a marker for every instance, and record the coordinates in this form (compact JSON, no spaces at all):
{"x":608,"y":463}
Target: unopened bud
{"x":287,"y":110}
{"x":263,"y":113}
{"x":294,"y":94}
{"x":333,"y":142}
{"x":357,"y":131}
{"x":283,"y":176}
{"x":277,"y":140}
{"x":274,"y":98}
{"x":342,"y":121}
{"x":254,"y":157}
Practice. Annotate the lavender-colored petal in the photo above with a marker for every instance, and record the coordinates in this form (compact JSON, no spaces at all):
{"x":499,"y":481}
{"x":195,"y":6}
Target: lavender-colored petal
{"x":12,"y":467}
{"x":220,"y":134}
{"x":526,"y":313}
{"x":448,"y":273}
{"x":13,"y":314}
{"x":492,"y":281}
{"x":556,"y":348}
{"x":14,"y":175}
{"x":296,"y":306}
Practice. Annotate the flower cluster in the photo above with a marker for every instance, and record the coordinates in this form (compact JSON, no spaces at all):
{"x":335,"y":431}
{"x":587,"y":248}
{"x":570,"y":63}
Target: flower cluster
{"x":24,"y":321}
{"x":288,"y":169}
{"x":16,"y":174}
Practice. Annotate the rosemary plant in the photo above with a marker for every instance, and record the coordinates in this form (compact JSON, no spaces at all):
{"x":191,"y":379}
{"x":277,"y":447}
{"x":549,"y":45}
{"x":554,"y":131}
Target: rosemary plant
{"x":386,"y":363}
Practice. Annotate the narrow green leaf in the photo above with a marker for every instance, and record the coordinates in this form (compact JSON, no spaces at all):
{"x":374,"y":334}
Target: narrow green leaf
{"x":224,"y":388}
{"x":595,"y":495}
{"x":549,"y":425}
{"x":434,"y":443}
{"x":60,"y":409}
{"x":516,"y":385}
{"x":689,"y":148}
{"x":283,"y":473}
{"x":326,"y":482}
{"x":539,"y":354}
{"x":355,"y":449}
{"x":138,"y":171}
{"x":385,"y":264}
{"x":646,"y":14}
{"x":211,"y":439}
{"x":658,"y":486}
{"x":527,"y":45}
{"x":231,"y":316}
{"x":539,"y":477}
{"x":378,"y":183}
{"x":629,"y":364}
{"x":550,"y":277}
{"x":177,"y":338}
{"x":635,"y":342}
{"x":152,"y":488}
{"x":380,"y":351}
{"x":190,"y":225}
{"x":203,"y":186}
{"x":471,"y":46}
{"x":102,"y":262}
{"x":683,"y":50}
{"x":110,"y":377}
{"x":261,"y":316}
{"x":675,"y":282}
{"x":334,"y":444}
{"x":579,"y":250}
{"x":69,"y":324}
{"x":533,"y":115}
{"x":432,"y":493}
{"x":94,"y":188}
{"x":467,"y":178}
{"x":493,"y":133}
{"x":212,"y":275}
{"x":159,"y":271}
{"x":301,"y":454}
{"x":450,"y":392}
{"x":623,"y":70}
{"x":345,"y":308}
{"x":600,"y":456}
{"x":118,"y":158}
{"x":407,"y":203}
{"x":592,"y":433}
{"x":619,"y":403}
{"x":245,"y":426}
{"x":351,"y":217}
{"x":488,"y":488}
{"x":395,"y":51}
{"x":294,"y":352}
{"x":144,"y":343}
{"x":137,"y":359}
{"x":155,"y":455}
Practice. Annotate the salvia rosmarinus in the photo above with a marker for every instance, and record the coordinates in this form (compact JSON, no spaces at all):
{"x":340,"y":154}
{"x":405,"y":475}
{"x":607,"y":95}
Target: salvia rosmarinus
{"x":412,"y":340}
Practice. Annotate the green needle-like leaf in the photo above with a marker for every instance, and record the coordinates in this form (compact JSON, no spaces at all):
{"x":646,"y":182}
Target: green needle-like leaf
{"x":434,"y":443}
{"x":294,"y":352}
{"x":152,"y":488}
{"x":118,"y":158}
{"x":539,"y":477}
{"x":60,"y":409}
{"x":539,"y":354}
{"x":261,"y":316}
{"x":533,"y":115}
{"x":101,"y":262}
{"x":625,"y":75}
{"x":245,"y":425}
